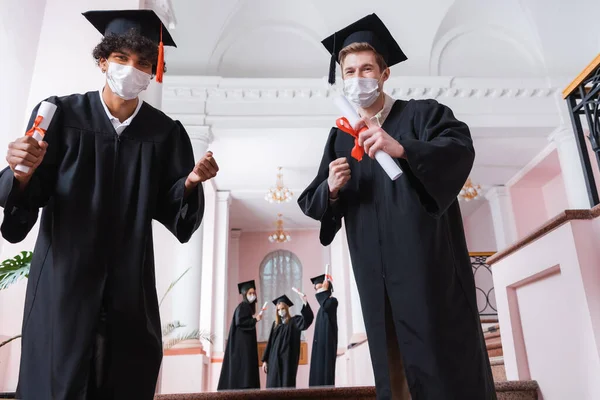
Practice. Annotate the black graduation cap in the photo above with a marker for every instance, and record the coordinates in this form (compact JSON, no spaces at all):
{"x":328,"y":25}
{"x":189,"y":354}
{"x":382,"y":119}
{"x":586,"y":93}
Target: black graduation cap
{"x":283,"y":299}
{"x":145,"y":22}
{"x":321,"y":279}
{"x":369,"y":29}
{"x":318,"y":279}
{"x":245,"y":286}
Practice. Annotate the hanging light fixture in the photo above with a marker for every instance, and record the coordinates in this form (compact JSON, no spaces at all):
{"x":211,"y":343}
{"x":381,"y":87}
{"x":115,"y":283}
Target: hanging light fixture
{"x":469,"y":191}
{"x":279,"y":236}
{"x":279,"y":193}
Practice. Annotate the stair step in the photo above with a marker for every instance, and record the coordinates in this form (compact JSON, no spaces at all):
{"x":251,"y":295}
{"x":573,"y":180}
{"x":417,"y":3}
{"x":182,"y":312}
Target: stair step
{"x":498,"y":370}
{"x":513,"y":390}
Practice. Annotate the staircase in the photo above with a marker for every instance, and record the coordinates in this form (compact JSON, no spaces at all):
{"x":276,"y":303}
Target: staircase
{"x":504,"y":391}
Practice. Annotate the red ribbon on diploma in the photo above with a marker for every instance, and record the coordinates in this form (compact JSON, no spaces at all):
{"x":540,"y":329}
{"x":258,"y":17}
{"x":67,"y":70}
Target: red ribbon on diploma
{"x":357,"y":151}
{"x":36,"y":127}
{"x":329,"y":278}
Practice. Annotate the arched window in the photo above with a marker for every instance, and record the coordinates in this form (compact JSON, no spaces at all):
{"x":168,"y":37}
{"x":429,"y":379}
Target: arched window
{"x":279,"y":271}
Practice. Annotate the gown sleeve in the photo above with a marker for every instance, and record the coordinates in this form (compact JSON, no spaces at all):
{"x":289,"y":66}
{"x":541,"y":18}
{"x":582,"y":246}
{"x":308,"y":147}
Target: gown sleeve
{"x":314,"y":200}
{"x":244,"y":319}
{"x":179,"y":214}
{"x":265,"y":356}
{"x":305,"y":319}
{"x":440,"y":158}
{"x":330,"y":305}
{"x":21,"y":208}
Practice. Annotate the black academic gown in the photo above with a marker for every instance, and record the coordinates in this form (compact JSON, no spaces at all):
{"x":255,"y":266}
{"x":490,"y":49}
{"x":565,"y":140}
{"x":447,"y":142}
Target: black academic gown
{"x":325,"y":342}
{"x":409,"y":253}
{"x":282,"y":353}
{"x":99,"y":193}
{"x":240,"y":361}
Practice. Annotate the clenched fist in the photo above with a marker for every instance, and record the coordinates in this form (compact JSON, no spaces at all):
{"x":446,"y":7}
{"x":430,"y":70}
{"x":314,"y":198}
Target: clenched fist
{"x":26,"y":151}
{"x":339,"y":175}
{"x":204,"y":170}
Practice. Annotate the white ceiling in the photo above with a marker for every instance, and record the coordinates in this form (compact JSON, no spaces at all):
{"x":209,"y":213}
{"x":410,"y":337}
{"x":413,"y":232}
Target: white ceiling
{"x":281,"y":39}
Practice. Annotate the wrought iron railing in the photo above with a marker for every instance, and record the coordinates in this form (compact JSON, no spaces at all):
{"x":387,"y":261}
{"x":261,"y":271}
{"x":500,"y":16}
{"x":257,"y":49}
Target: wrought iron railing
{"x":583,"y":99}
{"x":484,"y":284}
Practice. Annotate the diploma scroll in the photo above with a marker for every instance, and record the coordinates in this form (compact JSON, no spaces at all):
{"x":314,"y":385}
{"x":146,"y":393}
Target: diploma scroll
{"x":264,"y":308}
{"x":384,"y":159}
{"x":299,"y":292}
{"x":40,"y":125}
{"x":328,"y":273}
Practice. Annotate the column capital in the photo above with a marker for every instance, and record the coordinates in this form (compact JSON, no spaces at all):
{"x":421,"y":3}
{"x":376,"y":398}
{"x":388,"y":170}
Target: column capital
{"x":235,"y":233}
{"x":224,"y":196}
{"x":496,"y":192}
{"x":561,"y":134}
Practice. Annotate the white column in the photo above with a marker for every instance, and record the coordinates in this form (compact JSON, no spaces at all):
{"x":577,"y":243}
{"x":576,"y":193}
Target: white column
{"x":208,"y":255}
{"x":220,"y":270}
{"x":233,"y":279}
{"x":20,"y":23}
{"x":570,"y":165}
{"x":503,"y":216}
{"x":186,"y":295}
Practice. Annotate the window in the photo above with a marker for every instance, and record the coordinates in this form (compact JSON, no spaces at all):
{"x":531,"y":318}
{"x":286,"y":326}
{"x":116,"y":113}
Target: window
{"x":279,"y":271}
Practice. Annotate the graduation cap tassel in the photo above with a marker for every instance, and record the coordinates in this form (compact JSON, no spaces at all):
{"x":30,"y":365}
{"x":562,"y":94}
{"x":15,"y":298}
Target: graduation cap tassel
{"x":332,"y":64}
{"x":160,"y":65}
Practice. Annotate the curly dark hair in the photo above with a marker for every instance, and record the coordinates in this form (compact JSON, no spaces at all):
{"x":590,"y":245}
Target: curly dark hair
{"x":142,"y":46}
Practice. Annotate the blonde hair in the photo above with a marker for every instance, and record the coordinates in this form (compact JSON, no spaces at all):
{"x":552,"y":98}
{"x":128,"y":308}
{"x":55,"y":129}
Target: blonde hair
{"x":278,"y":318}
{"x":357,"y":48}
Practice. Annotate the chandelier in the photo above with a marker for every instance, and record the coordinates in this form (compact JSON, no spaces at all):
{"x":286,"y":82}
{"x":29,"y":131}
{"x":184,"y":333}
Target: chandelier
{"x":469,"y":191}
{"x":279,"y":236}
{"x":279,"y":193}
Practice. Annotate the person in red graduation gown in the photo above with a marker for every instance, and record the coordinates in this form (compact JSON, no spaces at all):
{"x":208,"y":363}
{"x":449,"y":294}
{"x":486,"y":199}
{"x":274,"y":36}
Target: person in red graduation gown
{"x":108,"y":166}
{"x":405,"y":236}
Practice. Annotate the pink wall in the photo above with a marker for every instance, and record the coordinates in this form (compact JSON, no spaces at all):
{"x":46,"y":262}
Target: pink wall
{"x":479,"y":229}
{"x":555,"y":196}
{"x":539,"y":195}
{"x":529,"y":208}
{"x":549,"y":310}
{"x":253,"y":247}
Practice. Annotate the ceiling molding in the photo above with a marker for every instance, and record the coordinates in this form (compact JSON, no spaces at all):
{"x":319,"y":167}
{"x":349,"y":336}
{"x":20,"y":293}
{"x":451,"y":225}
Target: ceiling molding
{"x":232,"y":103}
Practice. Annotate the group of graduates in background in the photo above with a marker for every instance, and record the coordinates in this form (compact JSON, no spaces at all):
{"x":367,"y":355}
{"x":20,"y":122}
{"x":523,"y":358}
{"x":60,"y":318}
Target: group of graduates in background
{"x":282,"y":354}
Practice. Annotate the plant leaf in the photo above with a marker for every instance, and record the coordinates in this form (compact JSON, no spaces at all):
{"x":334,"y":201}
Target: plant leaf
{"x":170,"y":327}
{"x":195,"y":334}
{"x":172,"y":285}
{"x":14,"y":269}
{"x":7,"y":341}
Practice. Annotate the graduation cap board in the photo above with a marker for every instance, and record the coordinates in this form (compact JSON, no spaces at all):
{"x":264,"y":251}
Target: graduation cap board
{"x":245,"y":286}
{"x":283,"y":299}
{"x":318,"y":279}
{"x":321,"y":279}
{"x":369,"y":29}
{"x":144,"y":22}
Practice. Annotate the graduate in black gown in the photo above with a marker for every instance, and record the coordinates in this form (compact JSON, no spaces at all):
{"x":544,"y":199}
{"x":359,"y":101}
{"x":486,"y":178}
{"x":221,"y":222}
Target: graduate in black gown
{"x":240,"y":361}
{"x":108,"y":166}
{"x":325,"y":341}
{"x":282,"y":354}
{"x":406,"y":237}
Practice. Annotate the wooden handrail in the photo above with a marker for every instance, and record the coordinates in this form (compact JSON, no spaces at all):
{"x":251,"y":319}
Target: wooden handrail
{"x":556,"y":222}
{"x":582,"y":77}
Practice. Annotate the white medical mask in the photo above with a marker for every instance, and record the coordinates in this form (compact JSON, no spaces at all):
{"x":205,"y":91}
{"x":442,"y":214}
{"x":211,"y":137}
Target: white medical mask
{"x":363,"y":92}
{"x":282,"y":313}
{"x":126,"y":81}
{"x":251,"y":298}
